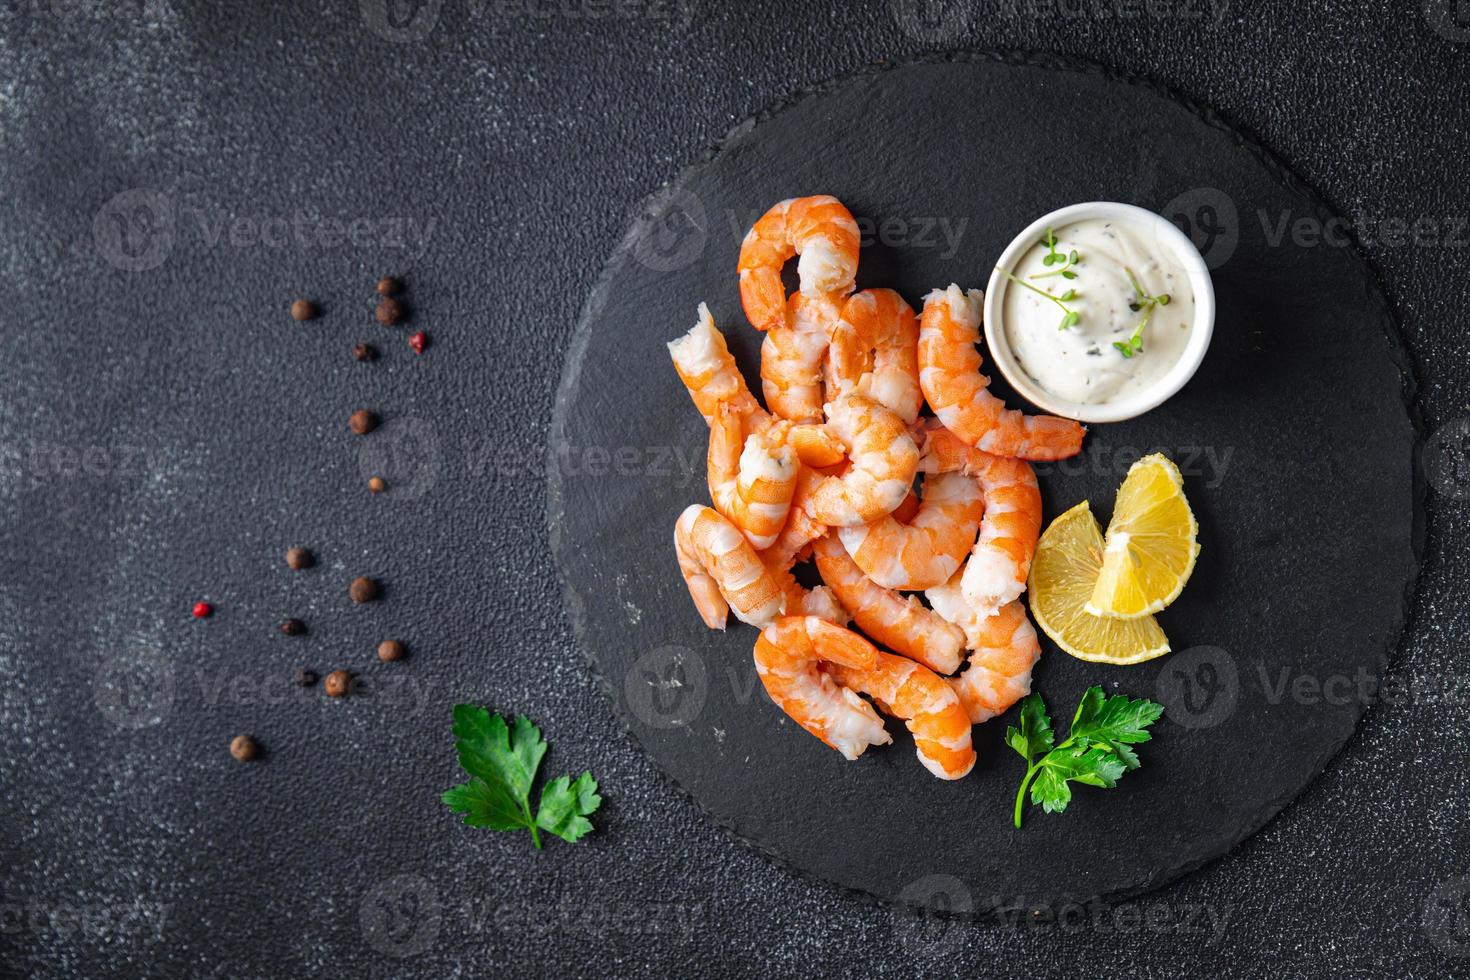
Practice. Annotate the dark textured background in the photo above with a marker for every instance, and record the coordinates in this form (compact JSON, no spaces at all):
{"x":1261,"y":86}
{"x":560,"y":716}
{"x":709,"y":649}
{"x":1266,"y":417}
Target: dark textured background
{"x":166,"y":432}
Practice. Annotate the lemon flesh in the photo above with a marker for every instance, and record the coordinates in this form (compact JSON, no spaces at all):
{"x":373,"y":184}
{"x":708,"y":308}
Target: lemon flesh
{"x":1069,"y":558}
{"x":1151,"y":544}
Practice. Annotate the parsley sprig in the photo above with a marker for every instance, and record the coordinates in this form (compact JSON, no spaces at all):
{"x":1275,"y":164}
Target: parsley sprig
{"x":1146,"y":303}
{"x":1097,"y":752}
{"x":502,"y":764}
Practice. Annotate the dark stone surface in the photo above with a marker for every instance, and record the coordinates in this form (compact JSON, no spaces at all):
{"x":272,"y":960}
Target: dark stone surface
{"x":169,"y":431}
{"x":1278,"y":594}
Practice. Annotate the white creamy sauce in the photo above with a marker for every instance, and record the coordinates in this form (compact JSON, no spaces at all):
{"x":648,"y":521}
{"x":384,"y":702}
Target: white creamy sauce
{"x":1081,"y":363}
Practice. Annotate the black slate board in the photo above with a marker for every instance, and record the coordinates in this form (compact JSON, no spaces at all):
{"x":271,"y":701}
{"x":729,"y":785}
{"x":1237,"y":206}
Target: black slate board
{"x":1295,"y":440}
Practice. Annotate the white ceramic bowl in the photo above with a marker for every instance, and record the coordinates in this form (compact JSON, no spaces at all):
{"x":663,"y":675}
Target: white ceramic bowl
{"x":1167,"y":238}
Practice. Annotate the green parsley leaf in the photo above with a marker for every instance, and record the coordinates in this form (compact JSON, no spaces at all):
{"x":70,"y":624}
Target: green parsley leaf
{"x":1034,"y":737}
{"x":1097,"y":751}
{"x":565,"y":806}
{"x":502,"y":762}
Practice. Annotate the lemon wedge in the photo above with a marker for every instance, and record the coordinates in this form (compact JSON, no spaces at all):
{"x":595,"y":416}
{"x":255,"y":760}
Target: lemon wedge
{"x":1069,"y":559}
{"x":1151,"y":544}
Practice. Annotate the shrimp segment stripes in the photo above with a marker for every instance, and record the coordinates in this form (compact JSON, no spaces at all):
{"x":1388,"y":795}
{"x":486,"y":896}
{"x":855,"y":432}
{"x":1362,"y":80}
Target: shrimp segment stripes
{"x":1003,"y":652}
{"x":751,"y":481}
{"x":1001,"y":560}
{"x":883,"y":457}
{"x":793,"y":357}
{"x":929,"y":707}
{"x":822,"y":231}
{"x":927,"y":550}
{"x":787,"y":658}
{"x":874,"y":351}
{"x":712,"y":378}
{"x":723,"y":572}
{"x":901,"y":623}
{"x":949,"y":373}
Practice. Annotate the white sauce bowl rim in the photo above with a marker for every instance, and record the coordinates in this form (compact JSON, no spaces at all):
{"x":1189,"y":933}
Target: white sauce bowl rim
{"x":1165,"y":234}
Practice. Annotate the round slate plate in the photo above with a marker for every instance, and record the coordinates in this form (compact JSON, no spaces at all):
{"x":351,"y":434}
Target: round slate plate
{"x":1295,"y":440}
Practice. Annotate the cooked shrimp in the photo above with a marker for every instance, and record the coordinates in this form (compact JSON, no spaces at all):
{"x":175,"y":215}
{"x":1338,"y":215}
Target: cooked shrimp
{"x":703,"y":361}
{"x":930,"y":708}
{"x":819,"y":229}
{"x":787,"y":655}
{"x":707,"y":369}
{"x":801,"y":527}
{"x":997,"y":569}
{"x":875,"y":352}
{"x":723,"y":571}
{"x":884,"y":459}
{"x":1003,"y":652}
{"x":949,"y":373}
{"x":819,"y":601}
{"x":901,"y":623}
{"x":927,"y":550}
{"x":751,"y":481}
{"x":792,"y":357}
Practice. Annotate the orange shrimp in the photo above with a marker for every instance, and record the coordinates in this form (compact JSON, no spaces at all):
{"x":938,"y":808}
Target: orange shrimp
{"x":703,"y":361}
{"x":787,"y":655}
{"x":874,"y":351}
{"x":792,"y":357}
{"x":707,"y":369}
{"x":929,"y":707}
{"x":883,"y":458}
{"x":819,"y":601}
{"x":902,"y":623}
{"x":949,"y":373}
{"x":927,"y":550}
{"x":1001,"y":560}
{"x":819,"y":229}
{"x":1003,"y":652}
{"x":801,"y":527}
{"x":723,"y":571}
{"x":751,"y":481}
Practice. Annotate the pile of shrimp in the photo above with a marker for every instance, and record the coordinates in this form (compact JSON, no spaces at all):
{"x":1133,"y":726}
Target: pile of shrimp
{"x":825,"y":472}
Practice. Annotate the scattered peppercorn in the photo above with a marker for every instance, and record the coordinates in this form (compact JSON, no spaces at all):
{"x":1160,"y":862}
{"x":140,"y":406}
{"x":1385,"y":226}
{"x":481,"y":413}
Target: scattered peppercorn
{"x":305,"y":677}
{"x":390,"y":650}
{"x":363,"y":589}
{"x":203,"y":610}
{"x":299,"y":558}
{"x":418,"y":341}
{"x":362,"y":422}
{"x":390,"y":311}
{"x":365,"y":352}
{"x":337,"y":683}
{"x":293,"y":627}
{"x":377,"y":484}
{"x":302,"y":309}
{"x":388,"y":286}
{"x":242,"y":747}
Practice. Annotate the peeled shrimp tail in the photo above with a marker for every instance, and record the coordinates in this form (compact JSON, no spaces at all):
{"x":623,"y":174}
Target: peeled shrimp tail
{"x":787,"y":655}
{"x":723,"y":571}
{"x":929,"y":707}
{"x":950,"y":376}
{"x":901,"y":623}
